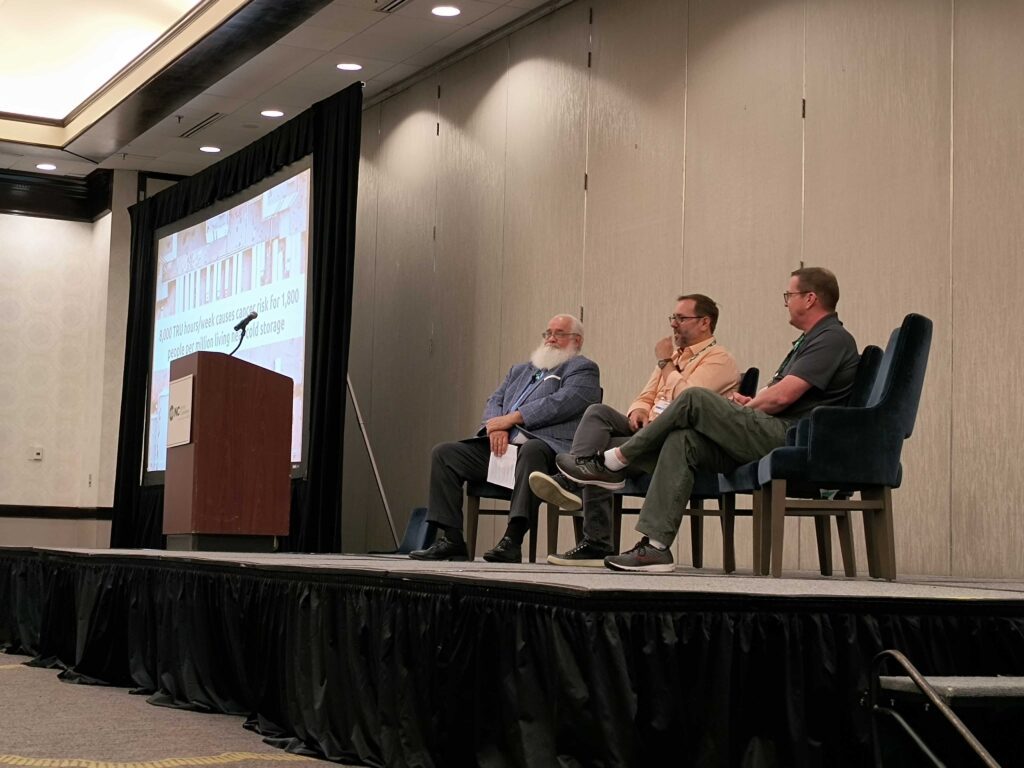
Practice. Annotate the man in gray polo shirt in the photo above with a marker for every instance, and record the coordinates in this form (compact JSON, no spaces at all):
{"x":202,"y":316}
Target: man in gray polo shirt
{"x":701,"y":430}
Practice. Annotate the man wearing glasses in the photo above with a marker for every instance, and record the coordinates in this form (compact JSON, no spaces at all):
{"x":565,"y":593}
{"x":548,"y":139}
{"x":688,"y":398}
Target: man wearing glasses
{"x":537,"y":408}
{"x":690,"y":357}
{"x":703,"y":431}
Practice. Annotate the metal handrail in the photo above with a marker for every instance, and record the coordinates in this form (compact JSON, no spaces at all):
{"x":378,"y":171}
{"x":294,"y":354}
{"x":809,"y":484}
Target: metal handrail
{"x":933,"y":698}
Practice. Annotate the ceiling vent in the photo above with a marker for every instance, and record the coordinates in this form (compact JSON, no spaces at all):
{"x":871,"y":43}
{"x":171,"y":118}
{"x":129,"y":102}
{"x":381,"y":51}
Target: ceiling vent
{"x":206,"y":123}
{"x":390,"y":6}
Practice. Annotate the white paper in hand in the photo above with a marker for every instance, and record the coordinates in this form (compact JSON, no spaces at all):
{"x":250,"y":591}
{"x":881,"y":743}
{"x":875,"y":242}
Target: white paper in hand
{"x":503,"y":471}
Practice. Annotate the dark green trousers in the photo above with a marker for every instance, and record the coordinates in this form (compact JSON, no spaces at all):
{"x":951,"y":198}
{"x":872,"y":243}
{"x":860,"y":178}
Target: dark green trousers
{"x":700,"y":430}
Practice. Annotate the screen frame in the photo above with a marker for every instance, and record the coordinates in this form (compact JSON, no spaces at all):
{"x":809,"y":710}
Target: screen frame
{"x":300,"y":468}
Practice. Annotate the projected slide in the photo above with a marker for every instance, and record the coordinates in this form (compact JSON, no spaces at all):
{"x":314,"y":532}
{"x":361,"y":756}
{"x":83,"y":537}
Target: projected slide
{"x":211,"y":275}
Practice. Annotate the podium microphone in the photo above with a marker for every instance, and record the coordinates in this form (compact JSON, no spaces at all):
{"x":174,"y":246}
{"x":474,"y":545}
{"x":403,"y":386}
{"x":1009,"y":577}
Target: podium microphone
{"x":240,"y":326}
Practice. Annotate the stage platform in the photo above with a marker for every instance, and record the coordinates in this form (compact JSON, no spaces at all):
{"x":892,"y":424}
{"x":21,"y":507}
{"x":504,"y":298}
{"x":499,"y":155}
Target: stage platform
{"x":385,"y":661}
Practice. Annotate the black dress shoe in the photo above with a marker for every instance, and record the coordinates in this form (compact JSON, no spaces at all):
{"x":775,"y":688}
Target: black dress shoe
{"x":505,"y":551}
{"x":442,"y":549}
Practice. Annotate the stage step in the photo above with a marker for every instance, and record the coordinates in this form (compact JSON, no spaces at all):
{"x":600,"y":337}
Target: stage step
{"x":961,"y":690}
{"x":990,"y":707}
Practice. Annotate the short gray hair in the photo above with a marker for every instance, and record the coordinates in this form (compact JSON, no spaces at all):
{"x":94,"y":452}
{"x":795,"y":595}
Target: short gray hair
{"x":577,"y":326}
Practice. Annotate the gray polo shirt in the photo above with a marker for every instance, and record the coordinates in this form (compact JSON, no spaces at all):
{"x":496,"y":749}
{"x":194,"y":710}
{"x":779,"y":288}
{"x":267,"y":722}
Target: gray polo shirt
{"x":825,"y":357}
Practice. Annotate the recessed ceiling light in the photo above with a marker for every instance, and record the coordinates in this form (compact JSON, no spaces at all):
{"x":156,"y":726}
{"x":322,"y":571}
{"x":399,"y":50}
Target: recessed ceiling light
{"x":446,"y":10}
{"x":272,"y":113}
{"x":350,"y":67}
{"x":209,"y":149}
{"x":46,"y":167}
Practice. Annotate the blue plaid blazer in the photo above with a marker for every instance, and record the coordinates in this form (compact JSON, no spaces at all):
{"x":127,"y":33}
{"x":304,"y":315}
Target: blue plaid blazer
{"x":552,"y":411}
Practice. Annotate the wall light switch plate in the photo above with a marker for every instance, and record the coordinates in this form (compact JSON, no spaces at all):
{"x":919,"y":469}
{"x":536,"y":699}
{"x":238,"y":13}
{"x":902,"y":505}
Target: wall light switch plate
{"x":35,"y":453}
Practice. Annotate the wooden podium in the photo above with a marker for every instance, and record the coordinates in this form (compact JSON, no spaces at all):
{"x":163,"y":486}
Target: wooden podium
{"x":228,"y":488}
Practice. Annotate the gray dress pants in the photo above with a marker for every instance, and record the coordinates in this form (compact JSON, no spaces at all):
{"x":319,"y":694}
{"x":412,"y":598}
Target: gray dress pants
{"x":452,"y":464}
{"x":601,"y":428}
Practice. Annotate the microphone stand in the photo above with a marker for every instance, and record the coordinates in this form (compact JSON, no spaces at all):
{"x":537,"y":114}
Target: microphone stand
{"x":240,"y":340}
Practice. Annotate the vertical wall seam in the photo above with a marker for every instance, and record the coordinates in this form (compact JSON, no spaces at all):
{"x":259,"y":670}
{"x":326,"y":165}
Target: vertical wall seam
{"x":682,"y":201}
{"x":376,"y":253}
{"x":504,"y":207}
{"x":586,"y":159}
{"x":803,"y":212}
{"x":949,"y":511}
{"x":803,"y":141}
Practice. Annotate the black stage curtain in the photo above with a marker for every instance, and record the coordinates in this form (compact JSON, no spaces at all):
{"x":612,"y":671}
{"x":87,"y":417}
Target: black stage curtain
{"x":330,"y":131}
{"x":382,"y":669}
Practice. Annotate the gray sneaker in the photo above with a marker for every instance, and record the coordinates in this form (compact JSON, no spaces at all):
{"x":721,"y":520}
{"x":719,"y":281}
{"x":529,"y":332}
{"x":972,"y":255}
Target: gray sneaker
{"x":555,"y":490}
{"x":589,"y":470}
{"x":642,"y":557}
{"x":583,"y":554}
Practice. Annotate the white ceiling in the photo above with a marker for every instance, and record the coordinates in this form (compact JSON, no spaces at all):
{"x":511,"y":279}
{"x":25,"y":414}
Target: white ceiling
{"x":94,"y":40}
{"x":292,"y":74}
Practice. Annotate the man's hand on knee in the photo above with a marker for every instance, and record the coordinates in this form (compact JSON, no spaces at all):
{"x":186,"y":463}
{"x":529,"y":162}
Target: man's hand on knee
{"x":499,"y":442}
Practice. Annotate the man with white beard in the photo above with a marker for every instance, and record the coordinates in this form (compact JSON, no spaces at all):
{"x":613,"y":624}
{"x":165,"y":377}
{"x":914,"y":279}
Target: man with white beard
{"x":537,"y":408}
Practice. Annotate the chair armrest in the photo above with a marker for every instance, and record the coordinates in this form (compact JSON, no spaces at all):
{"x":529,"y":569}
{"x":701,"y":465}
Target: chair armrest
{"x":854,"y":445}
{"x":791,"y":434}
{"x":799,"y":432}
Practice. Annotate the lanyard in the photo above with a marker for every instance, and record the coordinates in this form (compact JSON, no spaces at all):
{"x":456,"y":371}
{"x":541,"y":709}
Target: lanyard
{"x":698,"y":354}
{"x":789,"y":357}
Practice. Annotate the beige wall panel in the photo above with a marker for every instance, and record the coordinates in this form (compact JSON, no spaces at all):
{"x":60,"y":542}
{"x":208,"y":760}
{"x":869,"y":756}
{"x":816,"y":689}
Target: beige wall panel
{"x":124,"y":194}
{"x":30,"y":532}
{"x":467,"y":277}
{"x":877,"y":213}
{"x":358,"y":488}
{"x":741,"y":224}
{"x":988,"y":242}
{"x":633,"y":260}
{"x":361,"y":343}
{"x":399,"y":414}
{"x":362,"y":505}
{"x":546,"y":150}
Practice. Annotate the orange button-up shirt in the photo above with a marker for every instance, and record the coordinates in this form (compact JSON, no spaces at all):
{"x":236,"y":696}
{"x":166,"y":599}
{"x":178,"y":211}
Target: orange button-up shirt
{"x":705,"y":365}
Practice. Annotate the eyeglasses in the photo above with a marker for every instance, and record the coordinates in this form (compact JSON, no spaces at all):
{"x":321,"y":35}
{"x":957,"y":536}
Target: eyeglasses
{"x":787,"y":294}
{"x":676,"y":319}
{"x":557,"y":334}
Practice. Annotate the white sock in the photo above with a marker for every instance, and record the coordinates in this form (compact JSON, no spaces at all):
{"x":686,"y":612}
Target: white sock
{"x":612,"y":461}
{"x":657,"y":544}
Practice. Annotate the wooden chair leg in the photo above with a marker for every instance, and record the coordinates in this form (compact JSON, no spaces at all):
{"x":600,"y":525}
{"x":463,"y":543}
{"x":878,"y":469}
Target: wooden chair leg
{"x":823,"y":533}
{"x":882,"y":535}
{"x":697,"y":534}
{"x":870,"y":537}
{"x":472,"y":517}
{"x":760,"y":506}
{"x":846,"y":544}
{"x":727,"y":505}
{"x":777,"y":495}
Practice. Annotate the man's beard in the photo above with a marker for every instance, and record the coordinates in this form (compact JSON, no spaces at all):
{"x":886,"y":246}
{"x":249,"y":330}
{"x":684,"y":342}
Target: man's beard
{"x":547,"y":357}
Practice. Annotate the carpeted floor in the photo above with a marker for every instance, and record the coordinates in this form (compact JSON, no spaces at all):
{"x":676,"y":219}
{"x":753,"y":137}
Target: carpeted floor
{"x":60,"y":725}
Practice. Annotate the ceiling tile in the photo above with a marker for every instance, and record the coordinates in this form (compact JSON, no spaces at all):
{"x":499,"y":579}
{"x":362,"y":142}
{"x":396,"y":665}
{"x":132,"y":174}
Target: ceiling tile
{"x":499,"y":17}
{"x":471,"y":11}
{"x":429,"y":56}
{"x":7,"y":161}
{"x":397,"y":73}
{"x":268,"y":68}
{"x":345,"y":18}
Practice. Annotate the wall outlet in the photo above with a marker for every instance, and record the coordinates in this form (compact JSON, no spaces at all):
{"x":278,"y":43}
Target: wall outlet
{"x":35,"y":453}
